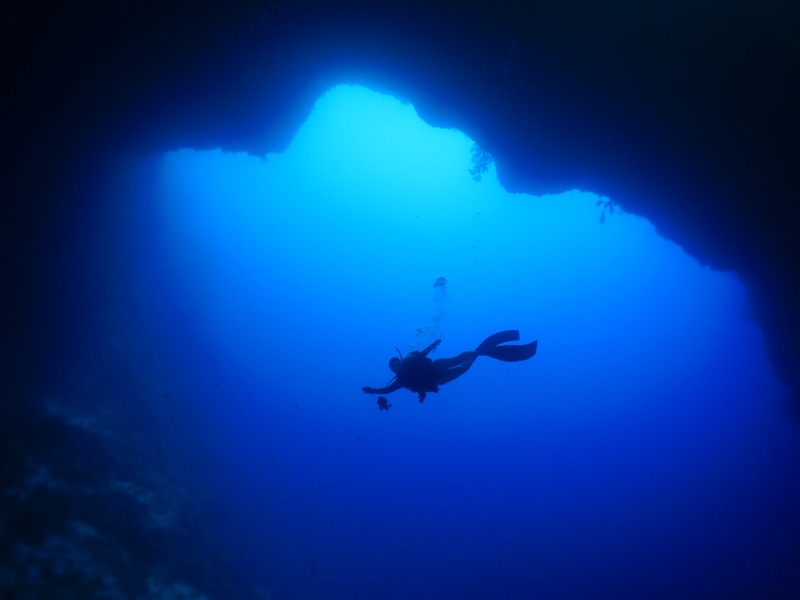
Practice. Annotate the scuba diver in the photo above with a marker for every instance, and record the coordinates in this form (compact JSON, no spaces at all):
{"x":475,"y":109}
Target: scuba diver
{"x":420,"y":374}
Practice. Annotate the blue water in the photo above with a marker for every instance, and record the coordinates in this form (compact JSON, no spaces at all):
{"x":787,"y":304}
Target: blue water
{"x":644,"y":452}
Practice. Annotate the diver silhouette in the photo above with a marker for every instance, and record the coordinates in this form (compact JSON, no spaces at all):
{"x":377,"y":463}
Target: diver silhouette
{"x":420,"y":374}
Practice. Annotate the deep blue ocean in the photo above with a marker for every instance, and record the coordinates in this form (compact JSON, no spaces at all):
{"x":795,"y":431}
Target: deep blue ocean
{"x":644,"y":452}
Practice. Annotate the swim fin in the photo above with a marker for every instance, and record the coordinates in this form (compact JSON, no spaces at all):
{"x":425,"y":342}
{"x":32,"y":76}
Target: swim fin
{"x":510,"y":353}
{"x":498,"y":338}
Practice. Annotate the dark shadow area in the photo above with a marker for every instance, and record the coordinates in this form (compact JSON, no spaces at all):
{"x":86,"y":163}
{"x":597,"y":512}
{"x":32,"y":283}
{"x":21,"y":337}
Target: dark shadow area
{"x":91,"y":510}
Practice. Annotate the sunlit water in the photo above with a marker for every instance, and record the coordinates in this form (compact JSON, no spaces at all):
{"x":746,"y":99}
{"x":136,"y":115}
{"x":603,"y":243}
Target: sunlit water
{"x":643,"y":452}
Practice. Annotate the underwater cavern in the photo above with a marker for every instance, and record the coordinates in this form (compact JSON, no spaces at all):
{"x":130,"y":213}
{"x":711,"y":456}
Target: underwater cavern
{"x":209,"y":248}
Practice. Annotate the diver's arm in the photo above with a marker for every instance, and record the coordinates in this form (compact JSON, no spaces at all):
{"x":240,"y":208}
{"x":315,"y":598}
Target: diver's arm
{"x":387,"y":390}
{"x":431,"y":347}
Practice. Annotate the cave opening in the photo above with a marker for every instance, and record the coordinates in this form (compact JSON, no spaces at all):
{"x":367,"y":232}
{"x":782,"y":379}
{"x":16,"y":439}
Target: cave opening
{"x":650,"y":405}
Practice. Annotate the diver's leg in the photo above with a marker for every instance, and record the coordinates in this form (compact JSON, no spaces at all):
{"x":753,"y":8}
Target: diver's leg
{"x":442,"y":364}
{"x":445,"y":373}
{"x":450,"y":374}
